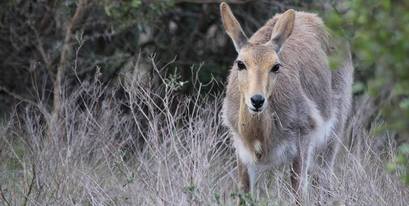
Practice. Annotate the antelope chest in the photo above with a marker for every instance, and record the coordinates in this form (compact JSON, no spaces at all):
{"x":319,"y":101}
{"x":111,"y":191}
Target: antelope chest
{"x":276,"y":155}
{"x":284,"y":149}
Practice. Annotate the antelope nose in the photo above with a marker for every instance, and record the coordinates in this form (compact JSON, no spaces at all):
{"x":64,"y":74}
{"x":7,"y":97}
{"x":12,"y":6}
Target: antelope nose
{"x":257,"y":101}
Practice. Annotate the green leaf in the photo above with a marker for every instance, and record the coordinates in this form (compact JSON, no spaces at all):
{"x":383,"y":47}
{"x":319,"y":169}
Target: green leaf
{"x":136,"y":3}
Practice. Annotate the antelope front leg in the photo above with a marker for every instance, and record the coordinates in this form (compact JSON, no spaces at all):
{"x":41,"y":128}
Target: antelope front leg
{"x":244,"y":177}
{"x":296,"y":178}
{"x":299,"y":173}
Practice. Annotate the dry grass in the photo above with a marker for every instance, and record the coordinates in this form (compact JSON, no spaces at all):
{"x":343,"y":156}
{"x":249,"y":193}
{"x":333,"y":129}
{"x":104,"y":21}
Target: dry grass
{"x":144,"y":146}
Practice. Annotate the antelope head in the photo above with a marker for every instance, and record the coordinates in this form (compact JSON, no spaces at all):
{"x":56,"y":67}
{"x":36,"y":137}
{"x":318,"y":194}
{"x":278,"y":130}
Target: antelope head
{"x":257,"y":65}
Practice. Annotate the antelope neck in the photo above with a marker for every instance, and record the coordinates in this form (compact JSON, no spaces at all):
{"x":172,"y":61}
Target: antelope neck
{"x":252,"y":126}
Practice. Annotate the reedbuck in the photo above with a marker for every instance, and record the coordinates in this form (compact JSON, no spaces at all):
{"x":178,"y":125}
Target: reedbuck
{"x":283,"y":103}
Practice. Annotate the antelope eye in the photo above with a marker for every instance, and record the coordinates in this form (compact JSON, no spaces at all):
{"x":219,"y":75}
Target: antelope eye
{"x":275,"y":68}
{"x":240,"y":65}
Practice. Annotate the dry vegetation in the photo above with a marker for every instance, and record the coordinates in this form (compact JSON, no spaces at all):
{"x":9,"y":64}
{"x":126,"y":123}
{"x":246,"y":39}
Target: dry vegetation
{"x":141,"y":145}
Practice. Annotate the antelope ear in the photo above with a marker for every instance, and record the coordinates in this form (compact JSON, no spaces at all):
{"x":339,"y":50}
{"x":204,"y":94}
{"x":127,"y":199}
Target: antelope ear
{"x":283,"y":29}
{"x":232,"y":26}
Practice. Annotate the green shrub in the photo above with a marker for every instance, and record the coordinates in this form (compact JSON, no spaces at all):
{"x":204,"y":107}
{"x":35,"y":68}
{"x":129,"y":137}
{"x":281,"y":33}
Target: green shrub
{"x":379,"y":32}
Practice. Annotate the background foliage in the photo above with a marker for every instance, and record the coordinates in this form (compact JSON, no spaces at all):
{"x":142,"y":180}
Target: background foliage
{"x":378,"y":31}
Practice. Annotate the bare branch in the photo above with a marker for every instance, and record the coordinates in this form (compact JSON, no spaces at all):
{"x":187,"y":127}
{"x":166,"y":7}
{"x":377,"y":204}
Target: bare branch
{"x":40,"y":106}
{"x":43,"y":53}
{"x":17,"y":96}
{"x":66,"y":49}
{"x":65,"y":54}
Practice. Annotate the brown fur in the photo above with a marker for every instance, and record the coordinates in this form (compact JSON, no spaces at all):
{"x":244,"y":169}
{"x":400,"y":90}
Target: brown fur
{"x":303,"y":85}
